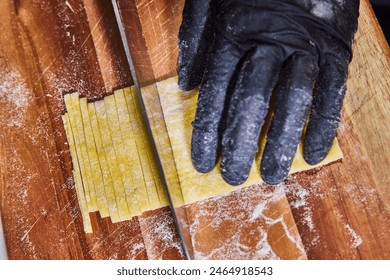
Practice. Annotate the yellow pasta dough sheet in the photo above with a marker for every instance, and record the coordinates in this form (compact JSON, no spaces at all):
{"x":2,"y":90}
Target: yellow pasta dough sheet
{"x":179,"y":111}
{"x":115,"y":170}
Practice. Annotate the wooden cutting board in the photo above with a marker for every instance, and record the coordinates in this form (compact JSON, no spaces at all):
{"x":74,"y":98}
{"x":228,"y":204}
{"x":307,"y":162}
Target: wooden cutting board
{"x":55,"y":47}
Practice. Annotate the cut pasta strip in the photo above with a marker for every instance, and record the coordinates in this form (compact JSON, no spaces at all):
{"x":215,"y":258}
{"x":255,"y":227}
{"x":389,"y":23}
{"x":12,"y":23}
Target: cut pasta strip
{"x":106,"y":176}
{"x":135,"y":190}
{"x":97,"y":177}
{"x":141,"y":140}
{"x":147,"y":146}
{"x":77,"y":176}
{"x":107,"y":125}
{"x":75,"y":119}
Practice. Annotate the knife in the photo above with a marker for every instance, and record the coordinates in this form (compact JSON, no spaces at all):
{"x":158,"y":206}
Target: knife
{"x":3,"y":248}
{"x":177,"y":212}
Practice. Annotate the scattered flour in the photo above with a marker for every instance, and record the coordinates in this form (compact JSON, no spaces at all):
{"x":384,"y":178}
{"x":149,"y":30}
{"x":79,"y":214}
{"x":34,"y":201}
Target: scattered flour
{"x":136,"y":248}
{"x":258,"y":211}
{"x":322,"y":9}
{"x":357,"y":240}
{"x":299,"y":200}
{"x":14,"y":93}
{"x":235,"y":227}
{"x":160,"y":235}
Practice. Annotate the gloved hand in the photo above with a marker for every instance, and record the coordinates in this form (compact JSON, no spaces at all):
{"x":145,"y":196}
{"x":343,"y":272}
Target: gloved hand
{"x":241,"y":52}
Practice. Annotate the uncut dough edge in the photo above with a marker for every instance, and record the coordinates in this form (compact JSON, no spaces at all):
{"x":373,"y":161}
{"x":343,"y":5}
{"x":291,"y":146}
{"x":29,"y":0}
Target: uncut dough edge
{"x":179,"y":110}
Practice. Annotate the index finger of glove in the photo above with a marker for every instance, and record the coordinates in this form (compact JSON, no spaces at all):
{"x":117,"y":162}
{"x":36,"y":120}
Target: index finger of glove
{"x":211,"y":103}
{"x":195,"y":38}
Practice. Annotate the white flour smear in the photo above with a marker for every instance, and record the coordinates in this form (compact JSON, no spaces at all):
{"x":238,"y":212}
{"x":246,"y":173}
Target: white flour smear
{"x":15,"y":95}
{"x":356,"y":239}
{"x":240,"y":230}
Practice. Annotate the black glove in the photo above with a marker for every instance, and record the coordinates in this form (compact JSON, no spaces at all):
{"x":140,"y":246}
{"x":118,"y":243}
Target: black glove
{"x":241,"y":52}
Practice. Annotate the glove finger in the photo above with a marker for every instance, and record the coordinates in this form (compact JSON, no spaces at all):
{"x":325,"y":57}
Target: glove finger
{"x":326,"y":109}
{"x":293,"y":99}
{"x":195,"y":37}
{"x":247,"y":110}
{"x":211,"y":102}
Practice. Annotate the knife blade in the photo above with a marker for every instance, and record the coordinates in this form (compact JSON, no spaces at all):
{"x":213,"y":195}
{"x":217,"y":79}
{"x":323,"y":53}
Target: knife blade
{"x":3,"y":248}
{"x":176,"y":212}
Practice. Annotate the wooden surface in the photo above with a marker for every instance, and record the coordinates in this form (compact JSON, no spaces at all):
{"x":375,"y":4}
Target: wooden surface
{"x":356,"y":193}
{"x":53,"y":48}
{"x":341,"y":211}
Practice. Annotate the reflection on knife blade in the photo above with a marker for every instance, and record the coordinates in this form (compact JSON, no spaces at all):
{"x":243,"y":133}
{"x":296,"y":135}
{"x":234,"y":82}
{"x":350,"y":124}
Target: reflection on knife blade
{"x":3,"y":248}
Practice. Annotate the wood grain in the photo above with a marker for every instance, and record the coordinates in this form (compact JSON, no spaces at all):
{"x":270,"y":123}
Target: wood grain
{"x":349,"y":202}
{"x":57,"y":47}
{"x":369,"y":95}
